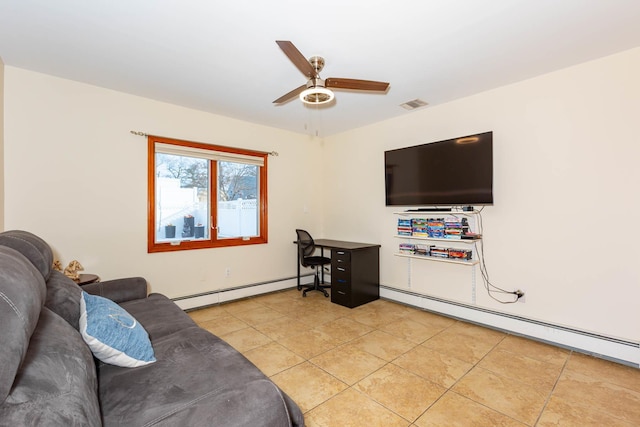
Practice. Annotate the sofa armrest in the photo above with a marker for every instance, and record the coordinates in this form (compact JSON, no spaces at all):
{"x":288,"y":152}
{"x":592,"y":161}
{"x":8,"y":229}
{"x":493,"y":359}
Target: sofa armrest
{"x":119,"y":290}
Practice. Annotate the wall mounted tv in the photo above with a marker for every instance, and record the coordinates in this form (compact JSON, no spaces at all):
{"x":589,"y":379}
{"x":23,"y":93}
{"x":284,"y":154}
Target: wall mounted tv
{"x":454,"y":172}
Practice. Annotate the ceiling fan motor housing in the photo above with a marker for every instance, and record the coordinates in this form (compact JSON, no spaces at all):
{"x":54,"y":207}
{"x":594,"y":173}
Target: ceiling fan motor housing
{"x":317,"y":62}
{"x":316,"y":82}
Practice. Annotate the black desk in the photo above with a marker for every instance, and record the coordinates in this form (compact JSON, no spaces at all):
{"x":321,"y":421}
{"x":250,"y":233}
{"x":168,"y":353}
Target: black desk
{"x":355,"y":271}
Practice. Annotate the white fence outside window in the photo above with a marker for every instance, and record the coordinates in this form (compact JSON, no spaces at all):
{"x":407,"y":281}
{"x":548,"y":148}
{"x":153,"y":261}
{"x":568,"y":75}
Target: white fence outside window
{"x":236,"y":218}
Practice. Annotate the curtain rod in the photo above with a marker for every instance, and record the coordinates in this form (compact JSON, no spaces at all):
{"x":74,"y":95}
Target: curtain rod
{"x":138,"y":133}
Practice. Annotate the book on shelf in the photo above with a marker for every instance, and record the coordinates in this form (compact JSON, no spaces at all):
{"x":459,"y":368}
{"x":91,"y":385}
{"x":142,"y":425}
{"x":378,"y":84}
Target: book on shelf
{"x":461,"y":254}
{"x":453,"y":227}
{"x":407,"y":248}
{"x":453,"y":233}
{"x":436,"y":228}
{"x":439,"y":252}
{"x":404,"y":227}
{"x":424,"y":250}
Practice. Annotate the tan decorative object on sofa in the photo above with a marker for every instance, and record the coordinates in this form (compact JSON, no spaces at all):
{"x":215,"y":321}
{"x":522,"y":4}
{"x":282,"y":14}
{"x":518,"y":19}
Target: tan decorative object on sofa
{"x":57,"y":265}
{"x":71,"y":271}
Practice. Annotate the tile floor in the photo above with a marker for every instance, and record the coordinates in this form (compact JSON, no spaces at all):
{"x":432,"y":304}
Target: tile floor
{"x":386,"y":364}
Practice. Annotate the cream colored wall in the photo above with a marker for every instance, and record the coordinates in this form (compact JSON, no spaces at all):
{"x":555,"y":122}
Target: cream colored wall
{"x":566,"y":176}
{"x":561,"y":228}
{"x":77,"y":177}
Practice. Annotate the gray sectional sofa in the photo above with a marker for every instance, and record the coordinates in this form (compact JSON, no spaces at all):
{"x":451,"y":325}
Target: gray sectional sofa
{"x":49,"y":376}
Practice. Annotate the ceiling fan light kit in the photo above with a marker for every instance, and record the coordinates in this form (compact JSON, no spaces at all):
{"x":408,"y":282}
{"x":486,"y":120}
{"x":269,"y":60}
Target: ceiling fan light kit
{"x":315,"y":92}
{"x":316,"y":96}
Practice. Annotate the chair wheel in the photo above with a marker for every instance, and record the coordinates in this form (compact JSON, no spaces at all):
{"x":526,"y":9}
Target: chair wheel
{"x":304,"y":295}
{"x":326,"y":295}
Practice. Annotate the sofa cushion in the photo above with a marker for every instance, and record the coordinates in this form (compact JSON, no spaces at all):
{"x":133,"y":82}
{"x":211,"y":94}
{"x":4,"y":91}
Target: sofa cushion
{"x":56,"y":384}
{"x":22,"y":294}
{"x":32,"y":247}
{"x":198,"y":380}
{"x":159,"y":315}
{"x":119,"y":290}
{"x":113,"y":335}
{"x":63,"y":294}
{"x":63,"y":298}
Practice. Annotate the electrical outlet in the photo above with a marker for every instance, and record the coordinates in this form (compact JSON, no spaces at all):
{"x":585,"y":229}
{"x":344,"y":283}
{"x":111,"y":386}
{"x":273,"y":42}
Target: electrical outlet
{"x":227,"y":272}
{"x":522,"y":295}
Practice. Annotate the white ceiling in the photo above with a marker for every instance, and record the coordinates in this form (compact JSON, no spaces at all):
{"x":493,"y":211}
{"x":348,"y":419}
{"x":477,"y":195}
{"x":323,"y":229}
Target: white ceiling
{"x":221,"y":56}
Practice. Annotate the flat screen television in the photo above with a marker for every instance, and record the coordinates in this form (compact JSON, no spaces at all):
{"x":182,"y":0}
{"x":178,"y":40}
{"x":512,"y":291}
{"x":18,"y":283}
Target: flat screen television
{"x":454,"y":172}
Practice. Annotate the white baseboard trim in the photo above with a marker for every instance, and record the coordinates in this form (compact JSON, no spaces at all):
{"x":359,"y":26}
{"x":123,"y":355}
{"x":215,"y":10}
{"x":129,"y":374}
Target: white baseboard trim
{"x":206,"y":299}
{"x":621,"y":351}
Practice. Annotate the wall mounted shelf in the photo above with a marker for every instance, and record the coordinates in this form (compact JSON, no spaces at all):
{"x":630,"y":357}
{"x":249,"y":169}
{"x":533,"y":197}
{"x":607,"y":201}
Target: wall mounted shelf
{"x":437,"y":239}
{"x":437,"y":259}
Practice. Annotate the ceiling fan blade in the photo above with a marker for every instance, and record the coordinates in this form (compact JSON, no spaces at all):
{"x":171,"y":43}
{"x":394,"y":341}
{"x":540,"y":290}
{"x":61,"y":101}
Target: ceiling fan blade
{"x":355,"y":84}
{"x":297,"y":58}
{"x":289,"y":96}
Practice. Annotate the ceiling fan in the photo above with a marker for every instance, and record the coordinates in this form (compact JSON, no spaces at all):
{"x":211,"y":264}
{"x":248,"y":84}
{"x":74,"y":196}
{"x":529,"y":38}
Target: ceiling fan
{"x":316,"y":91}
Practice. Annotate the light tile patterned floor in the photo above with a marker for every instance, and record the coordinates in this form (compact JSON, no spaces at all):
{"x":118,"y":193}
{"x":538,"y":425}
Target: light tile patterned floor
{"x":386,"y":364}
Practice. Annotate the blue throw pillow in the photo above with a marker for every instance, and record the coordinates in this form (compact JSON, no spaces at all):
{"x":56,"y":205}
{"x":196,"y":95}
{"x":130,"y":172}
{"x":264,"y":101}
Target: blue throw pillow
{"x":113,"y":335}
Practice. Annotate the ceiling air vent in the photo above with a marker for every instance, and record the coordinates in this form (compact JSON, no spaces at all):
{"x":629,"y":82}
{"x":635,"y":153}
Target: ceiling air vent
{"x":412,"y":105}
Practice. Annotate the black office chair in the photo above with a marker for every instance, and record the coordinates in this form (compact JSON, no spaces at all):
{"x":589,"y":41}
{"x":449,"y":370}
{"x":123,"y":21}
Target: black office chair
{"x":306,"y":250}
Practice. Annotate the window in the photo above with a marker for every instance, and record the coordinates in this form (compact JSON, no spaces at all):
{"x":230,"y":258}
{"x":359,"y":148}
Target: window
{"x":205,"y":196}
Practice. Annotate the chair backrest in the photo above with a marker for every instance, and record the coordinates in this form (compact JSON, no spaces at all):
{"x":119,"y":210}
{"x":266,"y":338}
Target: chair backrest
{"x":306,"y":247}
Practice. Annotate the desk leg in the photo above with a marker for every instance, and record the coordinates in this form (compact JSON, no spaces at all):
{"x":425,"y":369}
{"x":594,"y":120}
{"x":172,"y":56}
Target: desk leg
{"x":321,"y":267}
{"x":298,"y":259}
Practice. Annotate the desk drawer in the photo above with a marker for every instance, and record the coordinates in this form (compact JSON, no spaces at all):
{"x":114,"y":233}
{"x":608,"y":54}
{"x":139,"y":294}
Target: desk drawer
{"x":340,"y":269}
{"x":343,"y":263}
{"x":340,"y":294}
{"x":341,"y":255}
{"x":341,"y":280}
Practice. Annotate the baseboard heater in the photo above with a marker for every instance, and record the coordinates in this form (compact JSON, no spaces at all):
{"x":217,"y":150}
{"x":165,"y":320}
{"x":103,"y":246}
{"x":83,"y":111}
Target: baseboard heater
{"x":205,"y":299}
{"x":614,"y":349}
